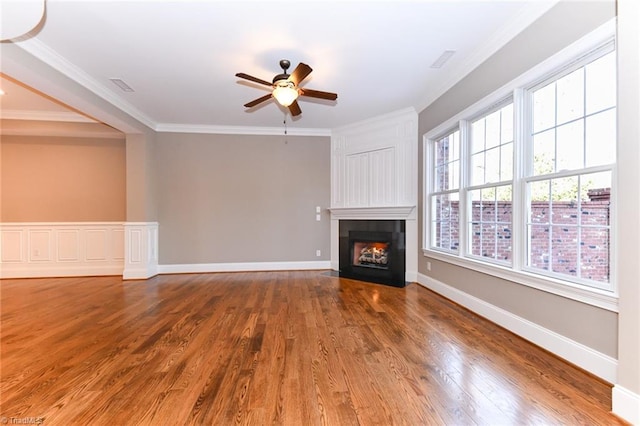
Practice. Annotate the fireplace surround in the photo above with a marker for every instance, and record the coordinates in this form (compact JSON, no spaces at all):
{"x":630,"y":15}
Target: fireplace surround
{"x":373,"y":250}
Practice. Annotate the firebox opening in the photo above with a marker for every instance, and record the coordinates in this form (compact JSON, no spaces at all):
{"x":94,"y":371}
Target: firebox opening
{"x":371,"y":254}
{"x":373,"y":251}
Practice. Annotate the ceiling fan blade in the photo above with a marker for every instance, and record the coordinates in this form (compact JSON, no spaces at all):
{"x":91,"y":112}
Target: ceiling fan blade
{"x":319,"y":94}
{"x":294,"y":109}
{"x":300,"y":73}
{"x":252,"y":78}
{"x":258,"y":101}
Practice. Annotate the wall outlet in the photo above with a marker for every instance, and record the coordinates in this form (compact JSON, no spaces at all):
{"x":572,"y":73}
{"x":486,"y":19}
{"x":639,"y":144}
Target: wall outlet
{"x":318,"y":217}
{"x":318,"y":253}
{"x":428,"y":266}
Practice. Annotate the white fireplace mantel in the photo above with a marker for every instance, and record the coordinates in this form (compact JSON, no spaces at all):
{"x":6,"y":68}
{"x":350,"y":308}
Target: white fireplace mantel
{"x":381,"y":213}
{"x":406,"y":213}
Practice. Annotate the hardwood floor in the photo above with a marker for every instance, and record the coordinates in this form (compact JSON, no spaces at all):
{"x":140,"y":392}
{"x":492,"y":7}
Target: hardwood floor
{"x":294,"y":348}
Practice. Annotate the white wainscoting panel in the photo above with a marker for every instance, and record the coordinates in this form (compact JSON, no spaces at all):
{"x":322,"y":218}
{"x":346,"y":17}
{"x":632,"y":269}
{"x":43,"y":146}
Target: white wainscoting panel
{"x":68,"y":245}
{"x":12,"y":246}
{"x":61,"y":249}
{"x":40,"y":243}
{"x":140,"y":250}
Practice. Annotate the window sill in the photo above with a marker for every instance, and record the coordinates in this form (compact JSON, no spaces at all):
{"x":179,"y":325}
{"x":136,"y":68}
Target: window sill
{"x":591,"y":296}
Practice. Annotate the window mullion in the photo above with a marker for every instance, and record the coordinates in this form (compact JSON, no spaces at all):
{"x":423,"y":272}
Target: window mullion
{"x":465,"y":173}
{"x":427,"y":188}
{"x":522,"y":149}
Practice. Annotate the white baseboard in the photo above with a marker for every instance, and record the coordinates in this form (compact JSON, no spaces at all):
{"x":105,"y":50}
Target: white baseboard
{"x":42,"y":271}
{"x":243,"y":267}
{"x":626,"y":404}
{"x":595,"y":362}
{"x":139,"y":273}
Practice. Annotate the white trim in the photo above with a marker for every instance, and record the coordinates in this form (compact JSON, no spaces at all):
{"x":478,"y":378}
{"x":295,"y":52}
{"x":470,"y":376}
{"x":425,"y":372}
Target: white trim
{"x":381,"y":213}
{"x":626,"y":404}
{"x":64,"y":116}
{"x":239,"y":130}
{"x":595,"y":362}
{"x":525,"y":17}
{"x":54,"y":131}
{"x":45,"y":271}
{"x":384,"y":120}
{"x":203,"y":268}
{"x":140,"y":250}
{"x":50,"y":57}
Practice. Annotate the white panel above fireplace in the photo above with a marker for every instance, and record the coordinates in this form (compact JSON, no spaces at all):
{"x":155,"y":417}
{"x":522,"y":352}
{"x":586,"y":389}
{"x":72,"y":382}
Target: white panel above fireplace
{"x":374,"y":162}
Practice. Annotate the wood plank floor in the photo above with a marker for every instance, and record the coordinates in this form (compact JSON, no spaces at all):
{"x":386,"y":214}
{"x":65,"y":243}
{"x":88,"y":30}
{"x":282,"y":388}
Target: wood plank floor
{"x":291,"y":348}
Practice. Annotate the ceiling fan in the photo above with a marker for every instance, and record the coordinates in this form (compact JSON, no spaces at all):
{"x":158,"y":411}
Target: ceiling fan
{"x":286,"y":87}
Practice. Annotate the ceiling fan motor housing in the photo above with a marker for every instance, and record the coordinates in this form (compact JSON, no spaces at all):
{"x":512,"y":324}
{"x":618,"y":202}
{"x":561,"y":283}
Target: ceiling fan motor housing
{"x":280,"y":77}
{"x":284,"y":64}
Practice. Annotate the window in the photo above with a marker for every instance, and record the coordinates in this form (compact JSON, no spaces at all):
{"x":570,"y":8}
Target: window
{"x":570,"y":172}
{"x":445,"y":193}
{"x":522,"y":187}
{"x":490,"y":190}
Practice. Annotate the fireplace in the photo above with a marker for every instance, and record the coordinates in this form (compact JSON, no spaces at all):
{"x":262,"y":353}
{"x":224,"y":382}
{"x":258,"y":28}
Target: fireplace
{"x":373,"y":250}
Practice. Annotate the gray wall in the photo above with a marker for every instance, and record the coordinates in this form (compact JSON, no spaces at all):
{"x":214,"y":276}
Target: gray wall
{"x":563,"y":24}
{"x":141,"y":183}
{"x":236,"y":198}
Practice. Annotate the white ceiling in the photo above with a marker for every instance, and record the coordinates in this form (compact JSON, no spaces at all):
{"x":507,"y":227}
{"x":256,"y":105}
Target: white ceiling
{"x":181,"y":57}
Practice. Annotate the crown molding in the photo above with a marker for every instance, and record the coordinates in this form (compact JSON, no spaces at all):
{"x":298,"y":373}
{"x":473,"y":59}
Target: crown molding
{"x":379,"y":121}
{"x":241,"y":130}
{"x":528,"y":14}
{"x":62,"y":116}
{"x":48,"y":132}
{"x":52,"y":58}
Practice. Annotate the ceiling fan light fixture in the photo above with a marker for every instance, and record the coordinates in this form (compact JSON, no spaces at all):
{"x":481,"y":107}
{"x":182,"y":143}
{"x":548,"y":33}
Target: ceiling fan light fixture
{"x":285,"y":92}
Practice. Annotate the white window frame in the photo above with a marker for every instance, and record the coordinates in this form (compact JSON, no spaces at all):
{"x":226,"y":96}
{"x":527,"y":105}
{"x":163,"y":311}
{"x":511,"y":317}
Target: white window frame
{"x":517,"y":91}
{"x":458,"y":190}
{"x":467,"y":187}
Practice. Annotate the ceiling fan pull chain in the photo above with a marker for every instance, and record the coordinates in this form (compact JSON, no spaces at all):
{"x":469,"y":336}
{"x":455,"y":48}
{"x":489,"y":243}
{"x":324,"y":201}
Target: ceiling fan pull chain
{"x":285,"y":128}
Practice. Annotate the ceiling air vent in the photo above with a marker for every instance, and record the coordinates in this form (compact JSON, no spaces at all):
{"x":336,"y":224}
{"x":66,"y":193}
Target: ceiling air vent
{"x":446,"y":55}
{"x":121,"y":84}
